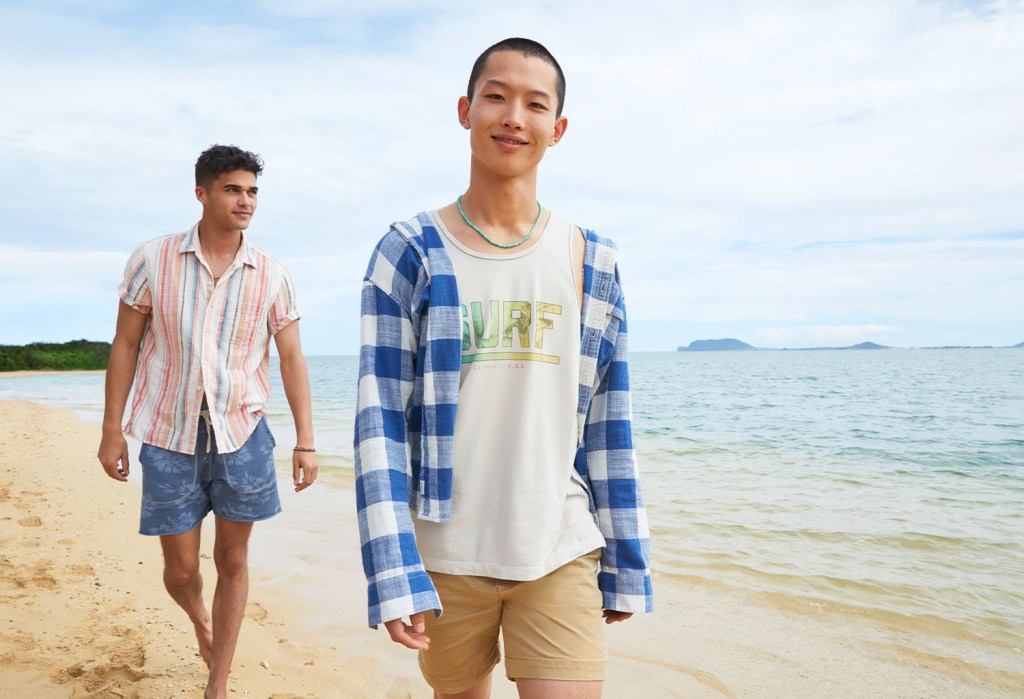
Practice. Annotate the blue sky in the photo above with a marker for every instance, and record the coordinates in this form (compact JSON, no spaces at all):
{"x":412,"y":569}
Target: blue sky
{"x":788,"y":173}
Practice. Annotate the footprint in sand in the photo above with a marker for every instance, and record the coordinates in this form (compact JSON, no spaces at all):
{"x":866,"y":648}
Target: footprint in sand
{"x":8,"y":574}
{"x":30,"y":522}
{"x":256,"y":612}
{"x":41,"y":576}
{"x":100,"y":677}
{"x":17,"y":577}
{"x":82,"y":570}
{"x":117,"y":664}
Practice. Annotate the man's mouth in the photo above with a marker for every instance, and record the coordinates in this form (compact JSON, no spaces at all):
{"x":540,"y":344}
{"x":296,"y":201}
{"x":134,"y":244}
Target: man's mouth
{"x":511,"y":140}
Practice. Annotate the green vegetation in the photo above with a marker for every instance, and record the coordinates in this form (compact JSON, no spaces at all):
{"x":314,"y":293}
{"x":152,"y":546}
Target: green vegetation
{"x":69,"y":356}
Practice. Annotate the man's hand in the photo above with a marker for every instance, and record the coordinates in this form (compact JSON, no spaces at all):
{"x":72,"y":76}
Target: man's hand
{"x":304,"y":469}
{"x":409,"y":636}
{"x":113,"y":455}
{"x":611,"y":616}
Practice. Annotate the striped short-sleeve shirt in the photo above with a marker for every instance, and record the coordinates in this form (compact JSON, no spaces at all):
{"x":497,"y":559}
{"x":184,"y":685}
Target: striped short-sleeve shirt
{"x":203,"y":337}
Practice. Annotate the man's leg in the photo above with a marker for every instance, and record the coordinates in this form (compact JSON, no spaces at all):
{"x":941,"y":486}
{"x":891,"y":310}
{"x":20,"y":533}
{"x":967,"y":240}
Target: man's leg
{"x":185,"y":584}
{"x":534,"y":689}
{"x":482,"y":690}
{"x":464,"y":641}
{"x":231,"y":555}
{"x":554,"y":633}
{"x":558,"y":689}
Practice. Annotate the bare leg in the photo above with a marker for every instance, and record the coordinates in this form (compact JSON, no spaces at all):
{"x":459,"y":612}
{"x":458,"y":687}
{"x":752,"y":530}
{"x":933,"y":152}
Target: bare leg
{"x":482,"y":690}
{"x":231,"y":555}
{"x":185,"y":584}
{"x":558,"y":689}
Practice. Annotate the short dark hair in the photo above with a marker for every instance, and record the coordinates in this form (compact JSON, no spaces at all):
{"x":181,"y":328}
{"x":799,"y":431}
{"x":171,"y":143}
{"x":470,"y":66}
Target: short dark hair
{"x":528,"y":48}
{"x":217,"y":159}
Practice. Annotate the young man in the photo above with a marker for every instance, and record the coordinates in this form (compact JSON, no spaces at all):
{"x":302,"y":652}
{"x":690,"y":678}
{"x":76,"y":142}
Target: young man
{"x":194,"y":324}
{"x":495,"y":470}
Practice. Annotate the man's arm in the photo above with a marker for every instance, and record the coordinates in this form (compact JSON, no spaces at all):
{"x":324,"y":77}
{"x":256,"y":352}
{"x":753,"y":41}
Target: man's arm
{"x":609,"y":462}
{"x":398,"y":586}
{"x":295,"y":378}
{"x":124,"y":356}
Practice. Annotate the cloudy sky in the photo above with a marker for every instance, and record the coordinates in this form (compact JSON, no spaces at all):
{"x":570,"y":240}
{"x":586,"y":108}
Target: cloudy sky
{"x":791,"y":173}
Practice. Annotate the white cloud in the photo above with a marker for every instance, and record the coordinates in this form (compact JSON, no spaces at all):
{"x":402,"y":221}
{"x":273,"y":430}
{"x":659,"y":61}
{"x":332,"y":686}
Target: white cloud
{"x":711,"y":140}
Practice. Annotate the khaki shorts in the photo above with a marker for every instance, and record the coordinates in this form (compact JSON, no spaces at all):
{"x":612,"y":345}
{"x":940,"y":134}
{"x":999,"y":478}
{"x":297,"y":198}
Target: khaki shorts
{"x":552,"y":627}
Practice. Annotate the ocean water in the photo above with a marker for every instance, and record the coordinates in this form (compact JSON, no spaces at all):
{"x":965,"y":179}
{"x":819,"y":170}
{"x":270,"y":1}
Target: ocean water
{"x":882,"y":485}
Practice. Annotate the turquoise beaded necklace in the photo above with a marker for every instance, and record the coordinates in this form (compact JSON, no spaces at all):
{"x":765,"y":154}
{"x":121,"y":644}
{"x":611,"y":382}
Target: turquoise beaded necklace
{"x":483,"y":235}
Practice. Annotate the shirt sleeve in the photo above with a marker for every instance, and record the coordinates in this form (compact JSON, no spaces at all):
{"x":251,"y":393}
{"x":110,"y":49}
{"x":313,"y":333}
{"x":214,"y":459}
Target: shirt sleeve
{"x":613,"y":473}
{"x":134,"y":289}
{"x":283,"y":309}
{"x":398,"y":585}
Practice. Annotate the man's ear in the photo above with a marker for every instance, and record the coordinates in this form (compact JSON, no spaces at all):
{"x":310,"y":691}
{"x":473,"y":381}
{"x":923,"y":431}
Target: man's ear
{"x":201,"y":194}
{"x":464,"y":112}
{"x":561,"y":124}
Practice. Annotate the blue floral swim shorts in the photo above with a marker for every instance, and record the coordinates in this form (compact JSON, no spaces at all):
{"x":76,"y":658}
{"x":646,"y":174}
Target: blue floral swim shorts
{"x":178,"y":490}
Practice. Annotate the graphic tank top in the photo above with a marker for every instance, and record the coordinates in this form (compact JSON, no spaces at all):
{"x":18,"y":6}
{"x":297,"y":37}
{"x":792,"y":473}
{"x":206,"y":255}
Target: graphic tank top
{"x":519,"y":510}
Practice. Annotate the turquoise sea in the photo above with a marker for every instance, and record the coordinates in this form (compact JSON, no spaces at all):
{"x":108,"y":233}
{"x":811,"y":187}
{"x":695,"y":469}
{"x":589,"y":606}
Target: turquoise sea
{"x":885,"y":485}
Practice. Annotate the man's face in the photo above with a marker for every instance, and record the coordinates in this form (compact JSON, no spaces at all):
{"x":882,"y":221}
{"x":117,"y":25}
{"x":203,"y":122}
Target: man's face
{"x":512,"y":118}
{"x":230,"y":201}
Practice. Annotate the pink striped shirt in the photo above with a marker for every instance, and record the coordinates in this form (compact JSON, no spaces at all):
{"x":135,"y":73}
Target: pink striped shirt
{"x":203,"y":337}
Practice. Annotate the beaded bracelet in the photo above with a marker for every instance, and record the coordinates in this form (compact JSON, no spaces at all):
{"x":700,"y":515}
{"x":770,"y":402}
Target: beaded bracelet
{"x":304,"y":449}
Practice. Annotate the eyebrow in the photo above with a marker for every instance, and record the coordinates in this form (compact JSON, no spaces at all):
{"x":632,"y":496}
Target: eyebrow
{"x":499,"y":83}
{"x":254,"y":190}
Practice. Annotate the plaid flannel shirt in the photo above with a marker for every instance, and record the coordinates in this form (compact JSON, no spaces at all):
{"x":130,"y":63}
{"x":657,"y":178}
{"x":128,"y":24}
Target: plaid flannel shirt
{"x":409,"y":365}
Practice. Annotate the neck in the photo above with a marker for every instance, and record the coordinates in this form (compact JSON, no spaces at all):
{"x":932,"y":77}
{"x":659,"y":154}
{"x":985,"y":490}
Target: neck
{"x":218,"y":241}
{"x":500,"y":201}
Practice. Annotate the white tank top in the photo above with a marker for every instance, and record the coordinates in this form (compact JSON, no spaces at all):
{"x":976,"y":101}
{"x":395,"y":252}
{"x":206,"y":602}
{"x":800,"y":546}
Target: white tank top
{"x":519,"y":511}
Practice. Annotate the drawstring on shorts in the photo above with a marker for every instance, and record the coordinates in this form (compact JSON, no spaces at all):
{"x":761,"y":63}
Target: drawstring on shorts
{"x":205,"y":416}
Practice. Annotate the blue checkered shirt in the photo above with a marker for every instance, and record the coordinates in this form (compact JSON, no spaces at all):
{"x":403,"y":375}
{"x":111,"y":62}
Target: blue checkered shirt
{"x":409,"y":364}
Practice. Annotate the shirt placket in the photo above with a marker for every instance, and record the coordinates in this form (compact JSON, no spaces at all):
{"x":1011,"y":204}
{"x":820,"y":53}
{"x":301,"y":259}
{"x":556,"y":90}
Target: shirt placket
{"x":206,"y":292}
{"x":214,"y":317}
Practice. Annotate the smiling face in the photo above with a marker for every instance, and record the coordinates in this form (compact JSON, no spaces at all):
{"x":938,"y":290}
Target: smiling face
{"x":229,"y":202}
{"x":512,"y":117}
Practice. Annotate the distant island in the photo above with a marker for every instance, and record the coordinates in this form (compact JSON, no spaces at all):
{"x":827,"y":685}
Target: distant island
{"x":725,"y":345}
{"x":731,"y":344}
{"x":77,"y":355}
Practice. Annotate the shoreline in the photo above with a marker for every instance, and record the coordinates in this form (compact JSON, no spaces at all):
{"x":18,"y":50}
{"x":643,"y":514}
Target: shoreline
{"x":88,"y":615}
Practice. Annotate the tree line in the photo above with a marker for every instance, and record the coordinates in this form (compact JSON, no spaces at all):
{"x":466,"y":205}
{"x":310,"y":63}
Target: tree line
{"x":67,"y":356}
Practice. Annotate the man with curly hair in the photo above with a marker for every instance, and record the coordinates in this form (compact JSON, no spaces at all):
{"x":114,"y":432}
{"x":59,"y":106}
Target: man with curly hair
{"x":197,"y":312}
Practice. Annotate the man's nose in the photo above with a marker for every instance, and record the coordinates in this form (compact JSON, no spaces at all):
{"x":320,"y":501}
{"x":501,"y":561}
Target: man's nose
{"x":513,"y":115}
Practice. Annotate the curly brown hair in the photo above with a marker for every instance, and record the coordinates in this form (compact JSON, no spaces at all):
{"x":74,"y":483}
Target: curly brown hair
{"x":217,"y":159}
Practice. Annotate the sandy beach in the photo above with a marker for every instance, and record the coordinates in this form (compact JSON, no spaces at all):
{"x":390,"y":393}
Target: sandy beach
{"x":85,"y":613}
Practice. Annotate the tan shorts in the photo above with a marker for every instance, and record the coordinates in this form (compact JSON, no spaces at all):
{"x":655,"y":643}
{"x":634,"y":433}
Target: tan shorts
{"x":552,"y":627}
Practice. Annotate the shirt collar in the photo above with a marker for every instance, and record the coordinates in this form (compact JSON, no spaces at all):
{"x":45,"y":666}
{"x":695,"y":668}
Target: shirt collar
{"x":191,"y":244}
